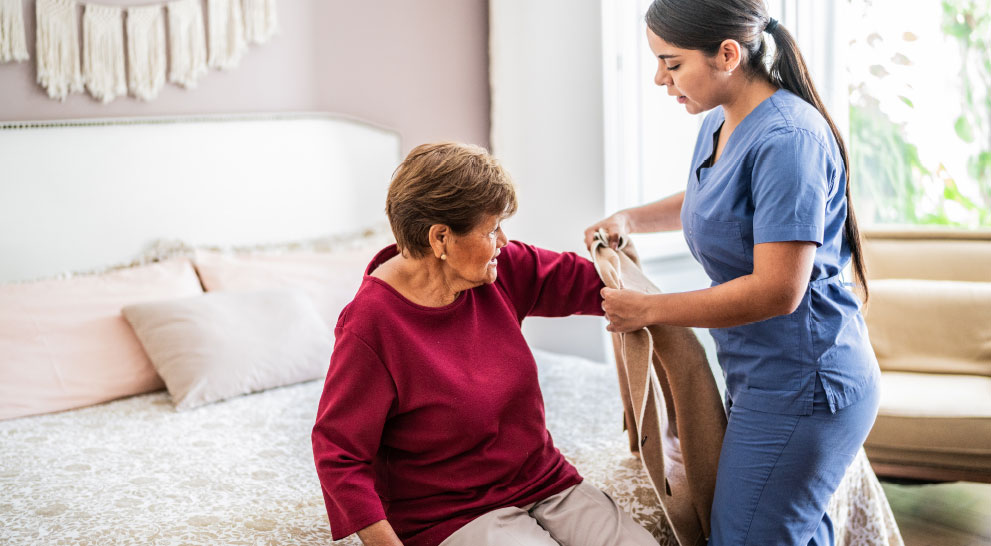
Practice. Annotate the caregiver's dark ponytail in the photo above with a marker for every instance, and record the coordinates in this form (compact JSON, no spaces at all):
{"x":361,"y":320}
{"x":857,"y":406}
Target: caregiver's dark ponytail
{"x":704,"y":24}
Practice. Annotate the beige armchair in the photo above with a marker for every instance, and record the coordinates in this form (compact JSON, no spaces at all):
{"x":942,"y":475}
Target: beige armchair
{"x":929,"y":319}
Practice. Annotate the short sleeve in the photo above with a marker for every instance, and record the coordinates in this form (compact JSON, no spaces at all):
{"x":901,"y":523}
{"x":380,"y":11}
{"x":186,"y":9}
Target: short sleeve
{"x":792,"y":179}
{"x":357,"y":398}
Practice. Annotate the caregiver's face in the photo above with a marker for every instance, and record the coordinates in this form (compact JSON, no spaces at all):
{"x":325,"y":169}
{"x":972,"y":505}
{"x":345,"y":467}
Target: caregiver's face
{"x":472,"y":256}
{"x":687,"y":73}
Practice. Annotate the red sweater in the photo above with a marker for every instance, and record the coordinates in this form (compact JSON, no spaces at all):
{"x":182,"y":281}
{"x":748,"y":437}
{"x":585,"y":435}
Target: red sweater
{"x":431,"y":417}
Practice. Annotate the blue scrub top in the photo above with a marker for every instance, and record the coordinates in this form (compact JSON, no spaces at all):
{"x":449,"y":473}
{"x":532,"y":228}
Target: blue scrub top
{"x":780,"y":178}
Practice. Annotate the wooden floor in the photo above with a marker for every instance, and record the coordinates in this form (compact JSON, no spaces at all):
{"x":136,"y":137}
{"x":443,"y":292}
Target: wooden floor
{"x":946,"y":514}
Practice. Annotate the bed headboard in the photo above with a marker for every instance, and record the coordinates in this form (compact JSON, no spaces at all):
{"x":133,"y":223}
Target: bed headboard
{"x":81,"y":194}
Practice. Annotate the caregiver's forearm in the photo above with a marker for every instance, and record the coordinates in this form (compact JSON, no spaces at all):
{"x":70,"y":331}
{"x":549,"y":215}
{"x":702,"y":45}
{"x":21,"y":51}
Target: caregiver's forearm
{"x":776,"y":287}
{"x":661,"y":215}
{"x":739,"y":301}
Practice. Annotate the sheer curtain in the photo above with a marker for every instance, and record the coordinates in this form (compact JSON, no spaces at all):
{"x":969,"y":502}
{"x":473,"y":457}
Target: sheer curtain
{"x":817,"y":27}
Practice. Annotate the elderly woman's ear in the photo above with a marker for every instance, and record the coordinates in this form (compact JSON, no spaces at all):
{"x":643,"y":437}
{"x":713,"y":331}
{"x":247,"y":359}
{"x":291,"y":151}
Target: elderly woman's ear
{"x":438,"y":237}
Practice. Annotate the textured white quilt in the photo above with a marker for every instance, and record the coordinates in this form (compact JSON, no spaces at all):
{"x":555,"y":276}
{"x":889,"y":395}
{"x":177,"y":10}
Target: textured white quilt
{"x":135,"y":471}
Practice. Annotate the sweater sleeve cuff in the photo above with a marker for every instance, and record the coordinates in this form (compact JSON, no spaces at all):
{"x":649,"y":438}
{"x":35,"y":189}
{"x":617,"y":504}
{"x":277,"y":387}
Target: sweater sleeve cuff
{"x":354,"y":523}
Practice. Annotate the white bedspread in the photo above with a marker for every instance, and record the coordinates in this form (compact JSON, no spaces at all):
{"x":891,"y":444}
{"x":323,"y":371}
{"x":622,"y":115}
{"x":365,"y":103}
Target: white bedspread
{"x":241,"y":472}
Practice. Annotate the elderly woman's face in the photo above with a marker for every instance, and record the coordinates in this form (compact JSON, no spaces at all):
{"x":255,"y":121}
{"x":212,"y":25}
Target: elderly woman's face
{"x":472,"y":256}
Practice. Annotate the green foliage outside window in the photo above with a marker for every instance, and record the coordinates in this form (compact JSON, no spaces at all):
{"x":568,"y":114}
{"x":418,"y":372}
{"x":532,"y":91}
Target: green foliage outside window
{"x":890,"y":175}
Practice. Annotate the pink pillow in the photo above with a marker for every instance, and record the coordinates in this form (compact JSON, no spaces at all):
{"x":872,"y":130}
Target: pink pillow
{"x":64,"y":343}
{"x":330,"y":279}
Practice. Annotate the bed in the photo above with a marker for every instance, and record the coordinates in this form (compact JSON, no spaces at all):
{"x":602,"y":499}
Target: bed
{"x":134,"y":470}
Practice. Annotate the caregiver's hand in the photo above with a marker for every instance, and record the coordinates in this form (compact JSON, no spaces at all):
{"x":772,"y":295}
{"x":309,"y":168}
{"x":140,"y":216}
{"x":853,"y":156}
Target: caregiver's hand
{"x":626,"y":310}
{"x":616,"y":226}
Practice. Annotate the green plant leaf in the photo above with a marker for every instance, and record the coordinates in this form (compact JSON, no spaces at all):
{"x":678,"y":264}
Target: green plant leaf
{"x":901,"y":59}
{"x":979,"y":166}
{"x":964,"y":130}
{"x":878,"y":70}
{"x":957,"y":29}
{"x":907,"y":101}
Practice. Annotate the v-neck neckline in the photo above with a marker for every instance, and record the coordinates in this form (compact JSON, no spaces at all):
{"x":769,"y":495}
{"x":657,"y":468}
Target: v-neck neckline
{"x":709,"y":163}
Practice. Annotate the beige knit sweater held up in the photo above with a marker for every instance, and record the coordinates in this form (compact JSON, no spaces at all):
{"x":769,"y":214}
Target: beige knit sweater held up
{"x":673,"y":411}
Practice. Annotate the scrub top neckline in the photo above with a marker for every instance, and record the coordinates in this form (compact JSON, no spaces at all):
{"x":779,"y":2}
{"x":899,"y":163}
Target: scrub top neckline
{"x":708,"y":163}
{"x":732,"y":138}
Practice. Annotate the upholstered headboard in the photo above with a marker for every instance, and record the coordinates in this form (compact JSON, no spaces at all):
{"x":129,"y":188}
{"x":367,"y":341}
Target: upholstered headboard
{"x":81,"y":194}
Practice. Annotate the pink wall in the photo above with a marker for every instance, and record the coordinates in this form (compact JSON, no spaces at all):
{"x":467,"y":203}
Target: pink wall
{"x":419,"y":67}
{"x":417,"y":64}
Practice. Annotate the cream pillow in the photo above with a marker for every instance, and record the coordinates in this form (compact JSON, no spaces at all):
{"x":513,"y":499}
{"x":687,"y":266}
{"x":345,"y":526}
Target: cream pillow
{"x":330,"y":279}
{"x":217,"y":346}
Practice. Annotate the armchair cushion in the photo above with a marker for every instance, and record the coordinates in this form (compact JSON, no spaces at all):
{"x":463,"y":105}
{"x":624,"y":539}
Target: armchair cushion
{"x":931,"y":326}
{"x":922,"y":422}
{"x":929,"y":253}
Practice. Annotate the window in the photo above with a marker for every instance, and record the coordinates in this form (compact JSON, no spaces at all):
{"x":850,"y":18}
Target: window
{"x":920,"y":111}
{"x":906,"y":84}
{"x":649,"y":137}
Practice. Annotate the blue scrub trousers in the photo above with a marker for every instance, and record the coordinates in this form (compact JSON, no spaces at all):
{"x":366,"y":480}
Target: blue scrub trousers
{"x":778,"y":472}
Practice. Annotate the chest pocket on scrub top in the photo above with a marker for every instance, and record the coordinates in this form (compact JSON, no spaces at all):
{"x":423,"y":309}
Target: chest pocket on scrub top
{"x":720,"y":247}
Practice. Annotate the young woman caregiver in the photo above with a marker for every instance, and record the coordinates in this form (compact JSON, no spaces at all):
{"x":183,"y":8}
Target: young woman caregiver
{"x":767,"y":213}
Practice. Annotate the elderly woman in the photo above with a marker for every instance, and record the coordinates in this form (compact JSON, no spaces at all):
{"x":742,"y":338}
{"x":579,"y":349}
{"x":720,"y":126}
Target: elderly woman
{"x":431,"y":425}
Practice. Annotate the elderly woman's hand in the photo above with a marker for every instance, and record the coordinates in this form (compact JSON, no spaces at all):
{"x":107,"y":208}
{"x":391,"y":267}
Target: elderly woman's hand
{"x":626,"y":310}
{"x":616,"y":226}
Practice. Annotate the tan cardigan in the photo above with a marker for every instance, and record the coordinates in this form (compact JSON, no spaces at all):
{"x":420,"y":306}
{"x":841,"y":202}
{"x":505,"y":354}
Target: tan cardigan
{"x":672,"y":407}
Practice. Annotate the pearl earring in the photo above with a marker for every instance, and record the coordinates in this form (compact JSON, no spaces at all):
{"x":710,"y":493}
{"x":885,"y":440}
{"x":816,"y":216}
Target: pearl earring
{"x":443,"y":256}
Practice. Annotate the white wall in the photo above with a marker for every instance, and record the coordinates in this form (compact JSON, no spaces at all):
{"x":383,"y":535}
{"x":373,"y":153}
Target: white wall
{"x":547,"y":129}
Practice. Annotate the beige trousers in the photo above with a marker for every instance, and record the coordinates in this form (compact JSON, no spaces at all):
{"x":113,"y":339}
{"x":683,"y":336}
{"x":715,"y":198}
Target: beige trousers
{"x":578,"y":516}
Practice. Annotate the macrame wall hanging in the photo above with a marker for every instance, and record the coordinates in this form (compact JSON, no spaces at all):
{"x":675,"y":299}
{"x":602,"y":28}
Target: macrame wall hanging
{"x":260,"y":20}
{"x":12,"y":44}
{"x":57,"y":48}
{"x":187,"y":43}
{"x":226,"y":36}
{"x":138,"y":34}
{"x":103,"y":52}
{"x":145,"y":51}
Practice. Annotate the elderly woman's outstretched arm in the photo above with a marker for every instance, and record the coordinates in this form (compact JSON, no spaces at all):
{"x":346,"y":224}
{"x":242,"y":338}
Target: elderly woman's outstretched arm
{"x":545,"y":283}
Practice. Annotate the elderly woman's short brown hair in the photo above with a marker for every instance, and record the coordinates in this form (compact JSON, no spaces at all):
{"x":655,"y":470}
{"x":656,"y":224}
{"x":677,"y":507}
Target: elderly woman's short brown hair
{"x":445,"y":183}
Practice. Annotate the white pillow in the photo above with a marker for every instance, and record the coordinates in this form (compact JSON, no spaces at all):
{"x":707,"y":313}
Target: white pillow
{"x":216,"y":346}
